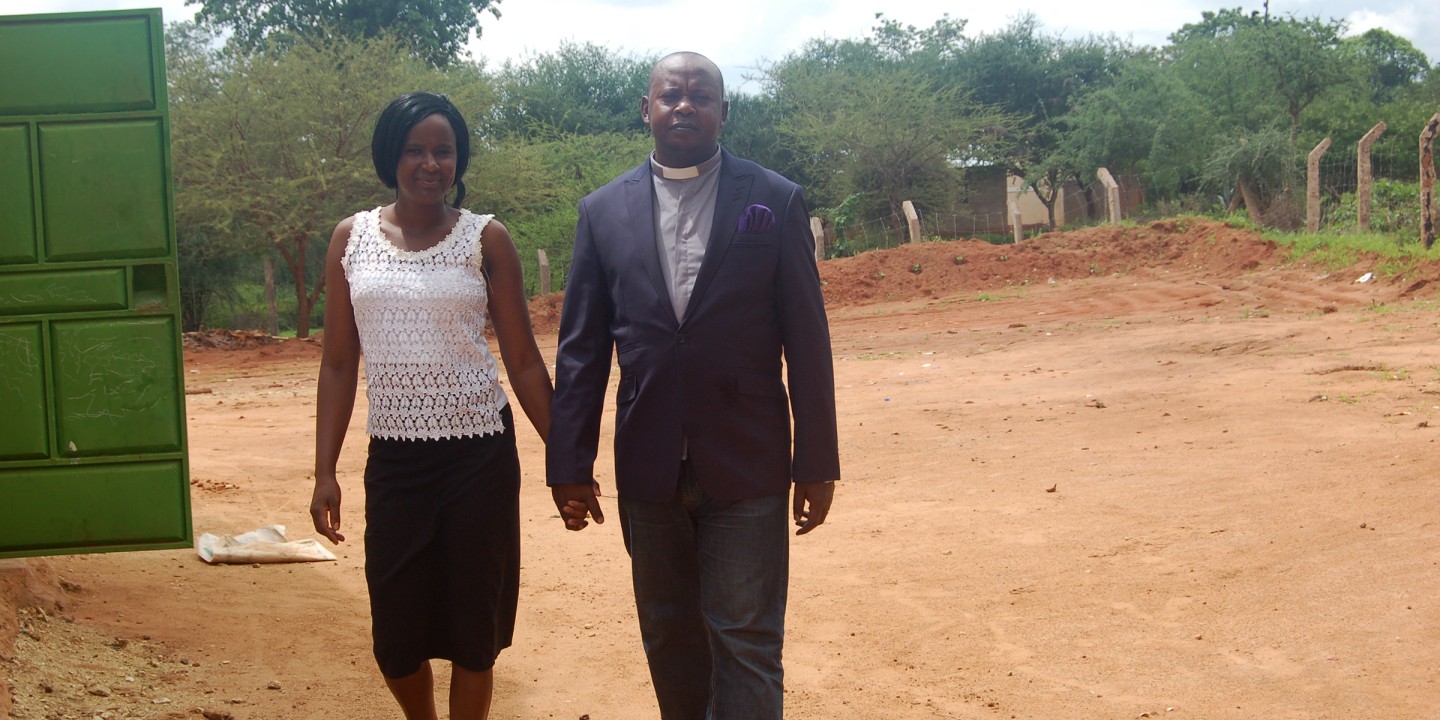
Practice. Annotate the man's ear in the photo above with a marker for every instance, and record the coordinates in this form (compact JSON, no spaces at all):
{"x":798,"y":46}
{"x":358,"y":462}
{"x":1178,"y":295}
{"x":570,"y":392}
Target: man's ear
{"x":645,"y":109}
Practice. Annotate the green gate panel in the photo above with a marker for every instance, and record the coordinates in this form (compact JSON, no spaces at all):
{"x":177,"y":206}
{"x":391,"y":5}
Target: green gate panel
{"x":150,"y":288}
{"x":83,"y":65}
{"x":117,"y":387}
{"x":95,"y":507}
{"x":55,"y":292}
{"x":104,"y":190}
{"x":24,"y":422}
{"x":17,"y":201}
{"x":93,"y":454}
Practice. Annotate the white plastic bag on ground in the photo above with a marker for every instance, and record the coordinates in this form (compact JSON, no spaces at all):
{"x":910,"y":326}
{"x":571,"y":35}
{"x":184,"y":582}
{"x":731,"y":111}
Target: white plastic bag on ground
{"x":264,"y":545}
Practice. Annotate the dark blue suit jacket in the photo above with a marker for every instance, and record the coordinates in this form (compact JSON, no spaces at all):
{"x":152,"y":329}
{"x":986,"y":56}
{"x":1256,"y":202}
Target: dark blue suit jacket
{"x":715,"y":379}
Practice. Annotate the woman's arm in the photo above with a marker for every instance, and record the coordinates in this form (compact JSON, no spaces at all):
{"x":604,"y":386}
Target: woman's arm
{"x":335,"y":397}
{"x":510,"y":314}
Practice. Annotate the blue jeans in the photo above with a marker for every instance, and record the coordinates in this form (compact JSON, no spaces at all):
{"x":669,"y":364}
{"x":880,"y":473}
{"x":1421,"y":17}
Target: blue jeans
{"x":710,"y":587}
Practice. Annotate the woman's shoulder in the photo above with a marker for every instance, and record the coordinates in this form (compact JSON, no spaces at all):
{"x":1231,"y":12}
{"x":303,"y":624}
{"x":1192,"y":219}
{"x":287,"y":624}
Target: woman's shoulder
{"x":480,"y":219}
{"x":359,"y":217}
{"x":346,"y":230}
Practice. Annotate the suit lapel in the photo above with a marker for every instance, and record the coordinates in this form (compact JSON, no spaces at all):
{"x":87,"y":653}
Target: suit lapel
{"x":730,"y":198}
{"x":640,"y":206}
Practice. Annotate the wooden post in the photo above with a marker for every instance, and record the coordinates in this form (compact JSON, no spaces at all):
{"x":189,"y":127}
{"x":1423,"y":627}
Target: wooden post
{"x":1012,"y":208}
{"x":1312,"y":186}
{"x":817,"y":228}
{"x":1364,"y":179}
{"x":912,"y":219}
{"x":544,"y":271}
{"x":1427,"y":182}
{"x":1112,"y":194}
{"x":272,"y":308}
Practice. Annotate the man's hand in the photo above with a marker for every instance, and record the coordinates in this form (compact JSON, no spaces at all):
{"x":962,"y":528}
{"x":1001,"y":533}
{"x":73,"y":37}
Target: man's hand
{"x":575,"y":502}
{"x":812,"y":504}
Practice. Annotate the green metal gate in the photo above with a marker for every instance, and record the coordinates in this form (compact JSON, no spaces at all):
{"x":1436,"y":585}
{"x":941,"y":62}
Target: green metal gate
{"x":92,"y":403}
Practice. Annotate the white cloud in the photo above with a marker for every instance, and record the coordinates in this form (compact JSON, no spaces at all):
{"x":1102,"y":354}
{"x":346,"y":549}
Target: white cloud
{"x":740,"y":34}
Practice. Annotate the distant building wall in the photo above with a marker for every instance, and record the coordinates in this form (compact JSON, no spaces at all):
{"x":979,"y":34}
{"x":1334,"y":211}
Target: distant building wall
{"x":985,"y":209}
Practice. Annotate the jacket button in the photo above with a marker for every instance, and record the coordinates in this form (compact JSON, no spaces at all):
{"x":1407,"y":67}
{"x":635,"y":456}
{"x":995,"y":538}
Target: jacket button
{"x":680,"y":339}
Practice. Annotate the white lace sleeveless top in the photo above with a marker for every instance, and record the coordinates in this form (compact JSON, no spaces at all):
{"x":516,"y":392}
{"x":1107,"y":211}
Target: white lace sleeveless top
{"x":421,"y":317}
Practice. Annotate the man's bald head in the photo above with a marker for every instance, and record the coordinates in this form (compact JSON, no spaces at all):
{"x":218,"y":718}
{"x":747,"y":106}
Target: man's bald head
{"x":686,"y":57}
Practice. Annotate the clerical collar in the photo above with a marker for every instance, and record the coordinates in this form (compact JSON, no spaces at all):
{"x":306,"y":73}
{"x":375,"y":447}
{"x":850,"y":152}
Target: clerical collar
{"x":685,"y":173}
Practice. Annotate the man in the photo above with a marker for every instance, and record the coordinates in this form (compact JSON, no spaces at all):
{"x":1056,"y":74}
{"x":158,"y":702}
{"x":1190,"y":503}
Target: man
{"x":697,"y":268}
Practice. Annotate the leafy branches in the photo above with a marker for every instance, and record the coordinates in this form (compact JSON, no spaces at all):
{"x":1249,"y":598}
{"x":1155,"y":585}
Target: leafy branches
{"x":435,"y":31}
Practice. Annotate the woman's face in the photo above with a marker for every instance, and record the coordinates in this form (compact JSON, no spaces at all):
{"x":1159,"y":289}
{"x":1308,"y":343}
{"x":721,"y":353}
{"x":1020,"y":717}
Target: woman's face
{"x":426,"y":170}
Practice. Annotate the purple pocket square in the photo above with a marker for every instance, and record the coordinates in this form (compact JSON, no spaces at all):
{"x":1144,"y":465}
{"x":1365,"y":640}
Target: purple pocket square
{"x":756,"y":219}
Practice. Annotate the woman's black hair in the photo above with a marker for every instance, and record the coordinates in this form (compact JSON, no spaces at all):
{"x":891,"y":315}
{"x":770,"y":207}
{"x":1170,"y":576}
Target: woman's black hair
{"x":406,"y":112}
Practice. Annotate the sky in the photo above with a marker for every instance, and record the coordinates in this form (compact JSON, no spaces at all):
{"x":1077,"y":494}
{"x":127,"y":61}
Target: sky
{"x":747,"y":34}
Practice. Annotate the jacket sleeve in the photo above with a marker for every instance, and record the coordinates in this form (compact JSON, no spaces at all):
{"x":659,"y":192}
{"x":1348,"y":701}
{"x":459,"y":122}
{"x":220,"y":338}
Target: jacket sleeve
{"x":582,"y":364}
{"x":805,"y":333}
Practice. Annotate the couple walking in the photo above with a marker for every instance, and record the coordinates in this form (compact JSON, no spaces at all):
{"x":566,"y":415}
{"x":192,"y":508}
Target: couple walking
{"x":696,"y":271}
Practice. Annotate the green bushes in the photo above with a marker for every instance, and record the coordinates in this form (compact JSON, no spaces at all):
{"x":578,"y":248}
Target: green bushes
{"x":1394,"y":210}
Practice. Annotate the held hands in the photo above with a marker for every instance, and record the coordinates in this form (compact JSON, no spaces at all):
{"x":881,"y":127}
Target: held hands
{"x":325,"y":509}
{"x":812,"y":504}
{"x":575,"y":502}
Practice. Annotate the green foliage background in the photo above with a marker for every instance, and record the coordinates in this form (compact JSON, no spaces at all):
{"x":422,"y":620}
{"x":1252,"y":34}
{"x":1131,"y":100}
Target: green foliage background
{"x":270,"y":129}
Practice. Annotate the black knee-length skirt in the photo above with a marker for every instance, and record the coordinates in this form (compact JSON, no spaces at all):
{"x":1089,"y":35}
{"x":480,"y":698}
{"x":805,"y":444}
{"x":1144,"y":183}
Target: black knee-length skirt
{"x":442,"y":549}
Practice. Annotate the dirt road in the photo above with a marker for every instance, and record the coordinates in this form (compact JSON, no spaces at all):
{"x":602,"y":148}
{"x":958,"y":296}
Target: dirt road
{"x":1150,"y":472}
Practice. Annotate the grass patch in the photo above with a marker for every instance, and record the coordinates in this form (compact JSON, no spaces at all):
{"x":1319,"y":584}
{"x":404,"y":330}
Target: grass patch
{"x":1392,"y":256}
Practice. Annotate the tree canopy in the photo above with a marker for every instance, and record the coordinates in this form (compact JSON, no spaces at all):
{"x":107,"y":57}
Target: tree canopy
{"x":270,"y":131}
{"x":433,"y":30}
{"x":576,"y":89}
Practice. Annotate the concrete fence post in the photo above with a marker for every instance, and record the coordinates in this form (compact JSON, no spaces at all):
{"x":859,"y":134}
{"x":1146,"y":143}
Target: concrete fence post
{"x":544,"y":271}
{"x":912,"y":221}
{"x":1012,"y":212}
{"x":817,"y":228}
{"x":1364,"y":178}
{"x":1112,"y":194}
{"x":1312,"y":186}
{"x":1428,"y":212}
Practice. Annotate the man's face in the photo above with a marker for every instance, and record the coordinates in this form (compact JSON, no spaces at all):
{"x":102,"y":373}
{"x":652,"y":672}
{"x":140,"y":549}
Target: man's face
{"x":685,"y":110}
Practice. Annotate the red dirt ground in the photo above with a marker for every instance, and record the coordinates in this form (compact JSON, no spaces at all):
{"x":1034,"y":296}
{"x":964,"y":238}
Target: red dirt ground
{"x":1120,"y":472}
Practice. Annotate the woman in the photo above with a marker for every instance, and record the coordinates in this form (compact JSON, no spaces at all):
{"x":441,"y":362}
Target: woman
{"x":412,"y":284}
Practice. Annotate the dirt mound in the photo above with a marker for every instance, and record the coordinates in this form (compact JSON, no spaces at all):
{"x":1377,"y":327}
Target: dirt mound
{"x":932,"y":269}
{"x":222,"y":339}
{"x":545,"y":312}
{"x":935,"y":269}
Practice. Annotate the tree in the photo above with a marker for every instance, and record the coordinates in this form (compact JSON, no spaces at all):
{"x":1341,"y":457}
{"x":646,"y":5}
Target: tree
{"x":753,"y":132}
{"x":1386,"y":62}
{"x":862,"y":119}
{"x":1254,"y":69}
{"x":433,"y":30}
{"x":1259,"y":75}
{"x":255,"y":162}
{"x":210,"y":248}
{"x":1302,"y":58}
{"x":579,"y":89}
{"x":1146,"y":123}
{"x":1263,"y":167}
{"x":535,"y":186}
{"x":1215,"y":60}
{"x":1039,"y":79}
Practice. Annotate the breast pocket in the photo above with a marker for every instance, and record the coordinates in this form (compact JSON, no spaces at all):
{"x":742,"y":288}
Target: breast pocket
{"x":753,"y":240}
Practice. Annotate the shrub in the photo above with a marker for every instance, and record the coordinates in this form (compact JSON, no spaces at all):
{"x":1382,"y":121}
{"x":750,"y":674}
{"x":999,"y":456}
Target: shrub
{"x":1394,"y":209}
